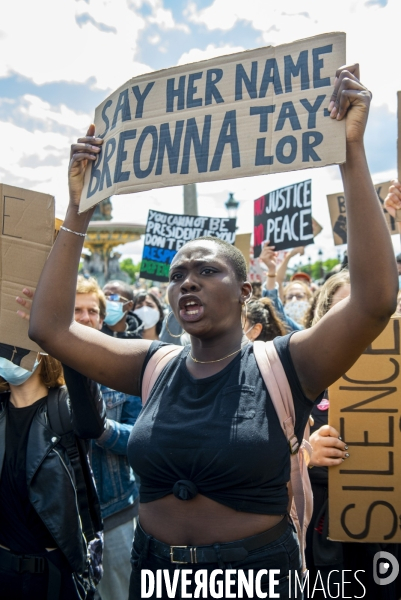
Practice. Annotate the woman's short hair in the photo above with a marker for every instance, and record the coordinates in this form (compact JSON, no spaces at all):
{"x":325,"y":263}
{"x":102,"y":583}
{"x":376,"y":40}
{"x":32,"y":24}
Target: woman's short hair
{"x":51,"y":373}
{"x":231,"y":253}
{"x":262,"y":311}
{"x":90,"y":286}
{"x":326,"y":293}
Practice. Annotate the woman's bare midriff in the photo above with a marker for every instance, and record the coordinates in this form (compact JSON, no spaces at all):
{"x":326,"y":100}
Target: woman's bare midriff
{"x":200,"y":521}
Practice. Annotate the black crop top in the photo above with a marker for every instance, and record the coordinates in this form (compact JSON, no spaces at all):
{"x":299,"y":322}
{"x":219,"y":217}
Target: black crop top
{"x":218,"y":436}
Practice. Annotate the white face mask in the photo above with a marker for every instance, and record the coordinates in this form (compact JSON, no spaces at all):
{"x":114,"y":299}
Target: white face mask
{"x":296,"y":310}
{"x":13,"y":374}
{"x":149,"y":316}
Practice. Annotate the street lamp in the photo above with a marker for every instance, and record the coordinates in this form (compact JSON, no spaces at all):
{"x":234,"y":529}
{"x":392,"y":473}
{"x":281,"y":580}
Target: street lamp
{"x":232,"y":206}
{"x":310,"y":265}
{"x":320,"y":253}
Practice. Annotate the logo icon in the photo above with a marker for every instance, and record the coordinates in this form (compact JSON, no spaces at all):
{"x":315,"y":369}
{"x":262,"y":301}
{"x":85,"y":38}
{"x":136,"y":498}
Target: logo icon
{"x":385,"y":568}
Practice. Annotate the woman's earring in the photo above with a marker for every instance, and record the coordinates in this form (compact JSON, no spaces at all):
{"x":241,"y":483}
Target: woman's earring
{"x":169,"y":332}
{"x":246,"y":317}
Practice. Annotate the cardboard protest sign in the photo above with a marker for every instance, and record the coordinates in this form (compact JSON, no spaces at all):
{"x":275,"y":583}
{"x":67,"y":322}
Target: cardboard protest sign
{"x":365,"y":490}
{"x":243,"y":243}
{"x":255,"y":112}
{"x":166,"y":233}
{"x":338,"y":215}
{"x":316,"y":227}
{"x":284,"y":217}
{"x":26,"y":237}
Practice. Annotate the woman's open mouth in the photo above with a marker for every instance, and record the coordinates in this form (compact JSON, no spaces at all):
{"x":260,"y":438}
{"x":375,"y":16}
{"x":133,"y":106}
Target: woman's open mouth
{"x":190,"y":310}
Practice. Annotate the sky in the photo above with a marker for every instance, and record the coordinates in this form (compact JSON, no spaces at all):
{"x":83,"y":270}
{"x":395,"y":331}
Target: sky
{"x":59,"y":60}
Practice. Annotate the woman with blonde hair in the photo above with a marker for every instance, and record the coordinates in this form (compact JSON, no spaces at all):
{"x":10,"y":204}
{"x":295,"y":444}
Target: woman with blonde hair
{"x":336,"y":288}
{"x":297,"y":299}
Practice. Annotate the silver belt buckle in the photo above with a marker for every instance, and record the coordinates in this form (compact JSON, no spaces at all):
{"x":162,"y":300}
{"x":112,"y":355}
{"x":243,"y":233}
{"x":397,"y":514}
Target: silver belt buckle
{"x":192,"y":553}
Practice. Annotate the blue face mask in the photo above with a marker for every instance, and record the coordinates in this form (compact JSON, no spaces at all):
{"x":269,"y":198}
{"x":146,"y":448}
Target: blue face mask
{"x":13,"y":374}
{"x":114,"y":312}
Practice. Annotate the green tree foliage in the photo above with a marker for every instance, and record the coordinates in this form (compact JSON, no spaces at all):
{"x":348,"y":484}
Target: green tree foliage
{"x":130,"y":268}
{"x":318,"y":269}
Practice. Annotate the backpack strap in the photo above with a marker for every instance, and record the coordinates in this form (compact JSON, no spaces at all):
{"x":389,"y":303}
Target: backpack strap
{"x":279,"y":390}
{"x":59,"y":414}
{"x":155,"y":366}
{"x":59,"y":410}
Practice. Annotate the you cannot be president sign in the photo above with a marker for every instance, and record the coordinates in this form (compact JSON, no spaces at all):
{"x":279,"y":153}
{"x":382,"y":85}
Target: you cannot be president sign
{"x":167,"y":233}
{"x":251,"y":113}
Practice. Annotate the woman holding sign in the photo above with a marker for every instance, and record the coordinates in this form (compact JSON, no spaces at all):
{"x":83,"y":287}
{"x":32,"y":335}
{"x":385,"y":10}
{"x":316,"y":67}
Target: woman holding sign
{"x":213,"y":460}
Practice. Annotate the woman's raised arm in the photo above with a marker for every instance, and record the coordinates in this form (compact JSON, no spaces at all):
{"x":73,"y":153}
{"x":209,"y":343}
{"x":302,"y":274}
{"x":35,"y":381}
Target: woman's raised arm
{"x":114,"y":362}
{"x":326,"y":351}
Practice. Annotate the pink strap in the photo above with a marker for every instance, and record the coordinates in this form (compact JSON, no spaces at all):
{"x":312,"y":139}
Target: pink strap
{"x":280,"y":393}
{"x":279,"y":389}
{"x":155,"y":366}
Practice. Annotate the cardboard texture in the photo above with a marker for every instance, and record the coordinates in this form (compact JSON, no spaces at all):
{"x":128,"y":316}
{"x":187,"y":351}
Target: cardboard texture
{"x":284,"y":218}
{"x":316,"y":227}
{"x":166,"y":233}
{"x":255,"y":112}
{"x":243,"y":243}
{"x":27,"y":225}
{"x":338,"y":214}
{"x":365,"y":490}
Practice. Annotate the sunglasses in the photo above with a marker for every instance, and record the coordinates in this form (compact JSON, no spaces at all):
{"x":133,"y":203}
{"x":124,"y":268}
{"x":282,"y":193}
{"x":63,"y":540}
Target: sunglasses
{"x":297,"y":296}
{"x":116,"y":298}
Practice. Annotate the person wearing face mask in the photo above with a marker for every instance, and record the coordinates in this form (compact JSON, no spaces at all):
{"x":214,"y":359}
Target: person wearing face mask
{"x":262,"y":322}
{"x":297,"y":298}
{"x":115,"y":480}
{"x":114,"y":477}
{"x":148,"y":308}
{"x":43,"y":550}
{"x":273,"y":283}
{"x":120,"y":320}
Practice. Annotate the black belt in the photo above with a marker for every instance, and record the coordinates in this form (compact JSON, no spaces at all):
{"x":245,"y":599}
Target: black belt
{"x":227,"y":552}
{"x":28,"y":563}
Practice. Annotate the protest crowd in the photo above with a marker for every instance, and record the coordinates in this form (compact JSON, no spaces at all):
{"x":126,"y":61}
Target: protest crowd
{"x":147,"y":437}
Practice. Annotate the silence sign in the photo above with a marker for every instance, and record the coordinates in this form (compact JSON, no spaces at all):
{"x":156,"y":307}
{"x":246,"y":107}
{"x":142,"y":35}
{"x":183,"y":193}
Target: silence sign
{"x":167,"y":233}
{"x":251,"y":113}
{"x":364,"y":490}
{"x":284,"y":217}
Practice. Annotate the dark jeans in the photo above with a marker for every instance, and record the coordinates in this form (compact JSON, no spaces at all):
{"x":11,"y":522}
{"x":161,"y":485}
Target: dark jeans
{"x":33,"y":586}
{"x":281,"y":554}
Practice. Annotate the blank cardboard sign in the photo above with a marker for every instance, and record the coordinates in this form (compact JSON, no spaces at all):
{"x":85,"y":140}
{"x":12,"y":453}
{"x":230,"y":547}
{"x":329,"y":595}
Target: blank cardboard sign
{"x":26,"y":237}
{"x":365,"y":407}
